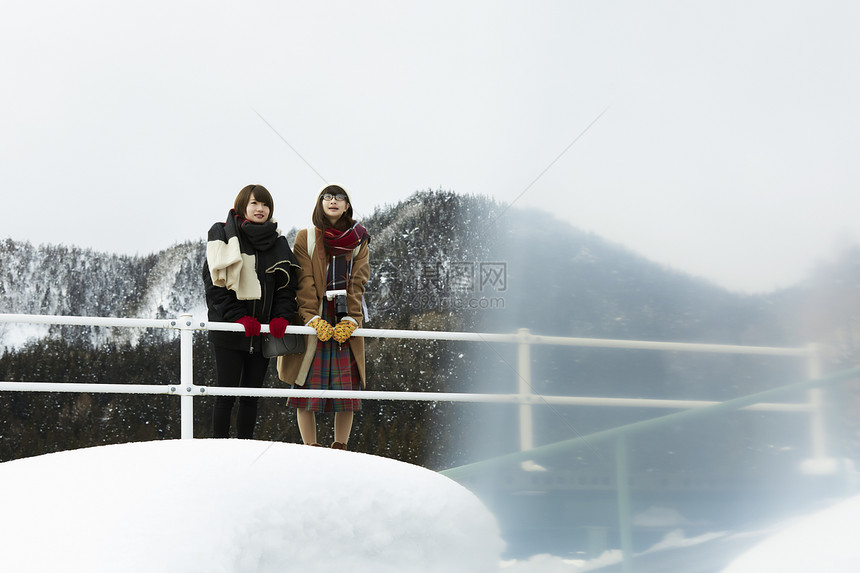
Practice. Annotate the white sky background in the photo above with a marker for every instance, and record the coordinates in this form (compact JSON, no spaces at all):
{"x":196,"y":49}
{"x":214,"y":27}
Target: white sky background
{"x":728,"y":147}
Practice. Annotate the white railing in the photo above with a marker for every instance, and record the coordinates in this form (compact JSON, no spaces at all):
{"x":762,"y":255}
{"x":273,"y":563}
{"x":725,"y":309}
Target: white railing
{"x":525,"y":397}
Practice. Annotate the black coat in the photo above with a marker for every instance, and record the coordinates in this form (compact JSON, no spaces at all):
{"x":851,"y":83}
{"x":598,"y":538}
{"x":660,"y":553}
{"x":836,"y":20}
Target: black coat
{"x":276,"y":271}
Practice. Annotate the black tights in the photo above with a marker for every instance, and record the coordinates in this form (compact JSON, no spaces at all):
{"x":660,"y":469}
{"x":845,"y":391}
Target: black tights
{"x":237,"y":368}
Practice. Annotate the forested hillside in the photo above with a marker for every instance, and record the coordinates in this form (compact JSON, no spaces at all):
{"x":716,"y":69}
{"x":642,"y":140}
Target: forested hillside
{"x":440,"y":261}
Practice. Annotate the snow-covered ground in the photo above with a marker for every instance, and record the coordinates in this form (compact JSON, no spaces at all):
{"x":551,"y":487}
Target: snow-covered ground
{"x":825,"y":541}
{"x":249,"y":506}
{"x":237,"y":506}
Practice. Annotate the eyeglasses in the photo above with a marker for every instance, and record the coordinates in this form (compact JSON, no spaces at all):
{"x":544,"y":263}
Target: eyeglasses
{"x":329,"y":197}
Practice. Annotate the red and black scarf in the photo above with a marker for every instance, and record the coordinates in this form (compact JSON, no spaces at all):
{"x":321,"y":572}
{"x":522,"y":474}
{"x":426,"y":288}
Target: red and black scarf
{"x":344,"y":242}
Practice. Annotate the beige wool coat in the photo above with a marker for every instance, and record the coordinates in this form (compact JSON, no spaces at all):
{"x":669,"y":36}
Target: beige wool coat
{"x":293,"y":368}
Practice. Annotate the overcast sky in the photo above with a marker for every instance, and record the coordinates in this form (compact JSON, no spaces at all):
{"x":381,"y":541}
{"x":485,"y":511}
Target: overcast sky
{"x":720,"y":138}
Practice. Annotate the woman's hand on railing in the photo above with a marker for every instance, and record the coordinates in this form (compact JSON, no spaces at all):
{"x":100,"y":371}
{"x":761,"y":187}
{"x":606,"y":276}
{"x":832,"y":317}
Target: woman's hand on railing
{"x":323,"y":328}
{"x":278,"y":326}
{"x":344,"y":330}
{"x":251,"y":324}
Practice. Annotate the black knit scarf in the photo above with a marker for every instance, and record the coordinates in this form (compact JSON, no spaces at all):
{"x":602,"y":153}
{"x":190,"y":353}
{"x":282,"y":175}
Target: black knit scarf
{"x":257,"y":236}
{"x":261,"y":243}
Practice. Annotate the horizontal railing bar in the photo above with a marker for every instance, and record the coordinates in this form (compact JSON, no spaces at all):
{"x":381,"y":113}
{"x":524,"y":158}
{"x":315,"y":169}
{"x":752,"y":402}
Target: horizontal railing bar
{"x":385,"y":333}
{"x":85,"y":387}
{"x":667,"y":404}
{"x":669,"y":346}
{"x":423,"y":335}
{"x":88,"y":320}
{"x":549,"y":340}
{"x":201,"y":391}
{"x":533,"y":399}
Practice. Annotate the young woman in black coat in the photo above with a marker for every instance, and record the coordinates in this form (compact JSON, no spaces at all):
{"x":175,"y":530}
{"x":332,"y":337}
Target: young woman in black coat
{"x":250,"y":278}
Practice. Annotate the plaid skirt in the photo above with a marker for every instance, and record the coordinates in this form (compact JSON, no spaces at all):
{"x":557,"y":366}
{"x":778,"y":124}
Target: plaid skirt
{"x":333,"y":368}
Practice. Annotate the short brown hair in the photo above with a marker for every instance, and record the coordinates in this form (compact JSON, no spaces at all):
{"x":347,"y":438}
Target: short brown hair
{"x":260,"y":193}
{"x":321,"y":221}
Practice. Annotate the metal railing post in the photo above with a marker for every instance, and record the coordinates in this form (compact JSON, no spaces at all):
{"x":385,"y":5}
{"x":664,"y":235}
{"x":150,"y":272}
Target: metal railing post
{"x":186,"y":375}
{"x":625,"y":521}
{"x":524,"y":376}
{"x":820,"y":462}
{"x":816,"y":401}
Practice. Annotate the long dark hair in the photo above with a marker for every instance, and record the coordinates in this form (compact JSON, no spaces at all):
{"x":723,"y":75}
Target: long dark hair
{"x":321,"y":221}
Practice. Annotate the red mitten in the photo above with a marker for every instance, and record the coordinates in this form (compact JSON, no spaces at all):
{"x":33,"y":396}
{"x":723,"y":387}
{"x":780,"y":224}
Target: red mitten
{"x":278,"y":326}
{"x":251,"y":324}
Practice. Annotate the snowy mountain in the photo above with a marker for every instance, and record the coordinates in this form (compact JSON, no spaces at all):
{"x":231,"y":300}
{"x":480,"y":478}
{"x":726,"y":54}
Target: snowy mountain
{"x":475,"y":262}
{"x":62,"y":280}
{"x":439,"y":261}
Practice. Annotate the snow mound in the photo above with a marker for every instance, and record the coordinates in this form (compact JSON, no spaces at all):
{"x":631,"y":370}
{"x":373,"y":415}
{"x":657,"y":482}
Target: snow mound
{"x":824,"y":541}
{"x":236,"y":506}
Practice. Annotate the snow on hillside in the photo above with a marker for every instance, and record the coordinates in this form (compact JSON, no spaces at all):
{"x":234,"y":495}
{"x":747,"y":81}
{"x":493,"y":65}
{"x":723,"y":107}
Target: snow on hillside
{"x":60,"y":280}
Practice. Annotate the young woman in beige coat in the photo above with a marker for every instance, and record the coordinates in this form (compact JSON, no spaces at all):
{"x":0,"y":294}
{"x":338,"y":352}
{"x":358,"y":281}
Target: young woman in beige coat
{"x":333,"y":258}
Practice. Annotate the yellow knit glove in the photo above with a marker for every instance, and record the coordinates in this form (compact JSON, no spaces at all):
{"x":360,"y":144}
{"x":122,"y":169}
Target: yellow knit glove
{"x":343,"y":330}
{"x":323,"y":328}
